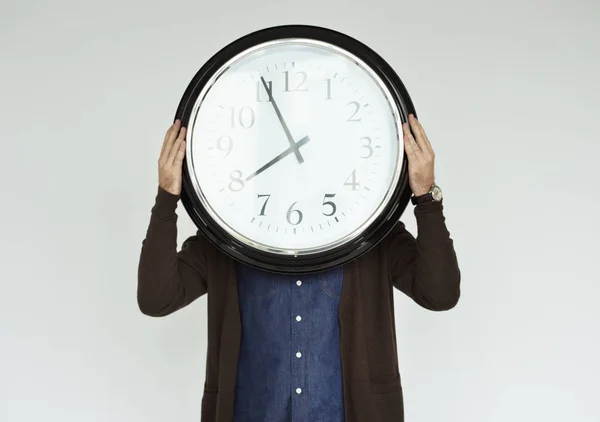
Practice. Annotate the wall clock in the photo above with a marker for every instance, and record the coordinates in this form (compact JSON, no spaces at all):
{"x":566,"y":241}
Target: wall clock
{"x":295,"y":160}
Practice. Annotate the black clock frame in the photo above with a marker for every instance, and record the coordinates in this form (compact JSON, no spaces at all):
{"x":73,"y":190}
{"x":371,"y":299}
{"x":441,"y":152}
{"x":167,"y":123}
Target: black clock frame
{"x":300,"y":264}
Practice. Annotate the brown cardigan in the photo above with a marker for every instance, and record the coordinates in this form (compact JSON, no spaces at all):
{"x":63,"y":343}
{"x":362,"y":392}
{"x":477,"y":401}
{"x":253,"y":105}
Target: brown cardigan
{"x":424,"y":268}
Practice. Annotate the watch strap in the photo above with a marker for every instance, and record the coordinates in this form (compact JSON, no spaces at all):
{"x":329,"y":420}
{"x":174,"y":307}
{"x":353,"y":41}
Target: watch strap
{"x":428,"y":197}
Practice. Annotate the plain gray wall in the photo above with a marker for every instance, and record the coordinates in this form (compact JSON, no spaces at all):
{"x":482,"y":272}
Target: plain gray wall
{"x":508,"y":93}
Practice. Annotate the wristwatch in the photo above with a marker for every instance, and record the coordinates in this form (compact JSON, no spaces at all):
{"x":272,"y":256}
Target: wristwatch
{"x":434,"y":195}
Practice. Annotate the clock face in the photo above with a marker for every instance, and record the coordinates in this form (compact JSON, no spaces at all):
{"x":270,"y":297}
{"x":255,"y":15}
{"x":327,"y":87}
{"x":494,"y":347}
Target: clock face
{"x":294,"y":146}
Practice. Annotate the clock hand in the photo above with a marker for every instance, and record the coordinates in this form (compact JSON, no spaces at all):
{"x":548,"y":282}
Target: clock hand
{"x":279,"y":157}
{"x":293,"y":145}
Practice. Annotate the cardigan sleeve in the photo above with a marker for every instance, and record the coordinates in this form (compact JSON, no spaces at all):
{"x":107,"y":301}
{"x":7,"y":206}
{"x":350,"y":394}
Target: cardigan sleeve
{"x":425,"y":268}
{"x":169,"y":280}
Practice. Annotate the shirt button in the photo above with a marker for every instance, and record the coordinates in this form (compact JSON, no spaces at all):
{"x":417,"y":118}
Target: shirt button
{"x":299,"y":283}
{"x":298,"y":391}
{"x":298,"y":318}
{"x":298,"y":355}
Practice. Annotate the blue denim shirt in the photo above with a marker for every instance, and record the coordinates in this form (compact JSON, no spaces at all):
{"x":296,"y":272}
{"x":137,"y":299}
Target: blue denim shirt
{"x":289,"y":367}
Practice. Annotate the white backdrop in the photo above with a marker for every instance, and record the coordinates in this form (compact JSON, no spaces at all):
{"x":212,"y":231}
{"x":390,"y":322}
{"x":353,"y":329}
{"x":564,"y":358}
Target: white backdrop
{"x":508,"y":93}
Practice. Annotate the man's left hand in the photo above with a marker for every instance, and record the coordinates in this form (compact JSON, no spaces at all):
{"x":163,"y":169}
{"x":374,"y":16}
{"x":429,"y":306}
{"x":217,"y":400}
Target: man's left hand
{"x":420,"y":157}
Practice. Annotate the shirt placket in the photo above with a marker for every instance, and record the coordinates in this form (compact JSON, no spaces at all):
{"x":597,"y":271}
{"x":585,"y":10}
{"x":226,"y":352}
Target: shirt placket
{"x":298,"y":343}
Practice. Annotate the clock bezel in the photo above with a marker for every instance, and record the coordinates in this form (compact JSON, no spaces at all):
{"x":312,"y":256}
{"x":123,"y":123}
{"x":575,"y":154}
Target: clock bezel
{"x":287,"y":263}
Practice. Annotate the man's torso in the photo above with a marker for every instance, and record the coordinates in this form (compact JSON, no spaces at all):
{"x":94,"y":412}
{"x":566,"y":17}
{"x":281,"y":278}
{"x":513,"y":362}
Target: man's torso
{"x":289,"y":365}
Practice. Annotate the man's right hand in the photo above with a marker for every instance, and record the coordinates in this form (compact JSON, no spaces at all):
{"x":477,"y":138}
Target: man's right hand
{"x":170,"y":162}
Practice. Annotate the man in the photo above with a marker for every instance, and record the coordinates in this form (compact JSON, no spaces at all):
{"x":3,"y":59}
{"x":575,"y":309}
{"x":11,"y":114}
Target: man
{"x":321,"y":347}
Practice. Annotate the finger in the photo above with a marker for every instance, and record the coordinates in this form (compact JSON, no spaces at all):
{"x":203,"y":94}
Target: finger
{"x":176,"y":145}
{"x":171,"y":129}
{"x":164,"y":144}
{"x":420,"y":135}
{"x":164,"y":149}
{"x":174,"y":150}
{"x":411,"y":146}
{"x":417,"y":130}
{"x":180,"y":155}
{"x":170,"y":138}
{"x":406,"y":129}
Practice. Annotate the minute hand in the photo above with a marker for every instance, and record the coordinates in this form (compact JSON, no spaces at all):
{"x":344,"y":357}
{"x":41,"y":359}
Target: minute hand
{"x":293,"y":144}
{"x":278,"y":158}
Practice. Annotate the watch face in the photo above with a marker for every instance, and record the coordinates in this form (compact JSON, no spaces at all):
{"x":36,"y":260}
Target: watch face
{"x":436,"y":193}
{"x":294,"y":157}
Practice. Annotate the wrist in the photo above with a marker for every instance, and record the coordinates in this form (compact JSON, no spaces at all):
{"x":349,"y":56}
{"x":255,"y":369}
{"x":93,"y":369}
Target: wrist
{"x":421,"y":192}
{"x":434,"y":194}
{"x":165,"y":203}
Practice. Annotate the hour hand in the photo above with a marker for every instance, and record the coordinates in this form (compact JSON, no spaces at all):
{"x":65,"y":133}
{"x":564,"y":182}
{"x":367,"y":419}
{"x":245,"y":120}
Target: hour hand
{"x":293,"y":144}
{"x":279,"y":157}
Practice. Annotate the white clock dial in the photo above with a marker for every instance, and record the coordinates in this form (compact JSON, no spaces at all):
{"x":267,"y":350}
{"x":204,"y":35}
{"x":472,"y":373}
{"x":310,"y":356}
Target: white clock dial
{"x":305,"y":168}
